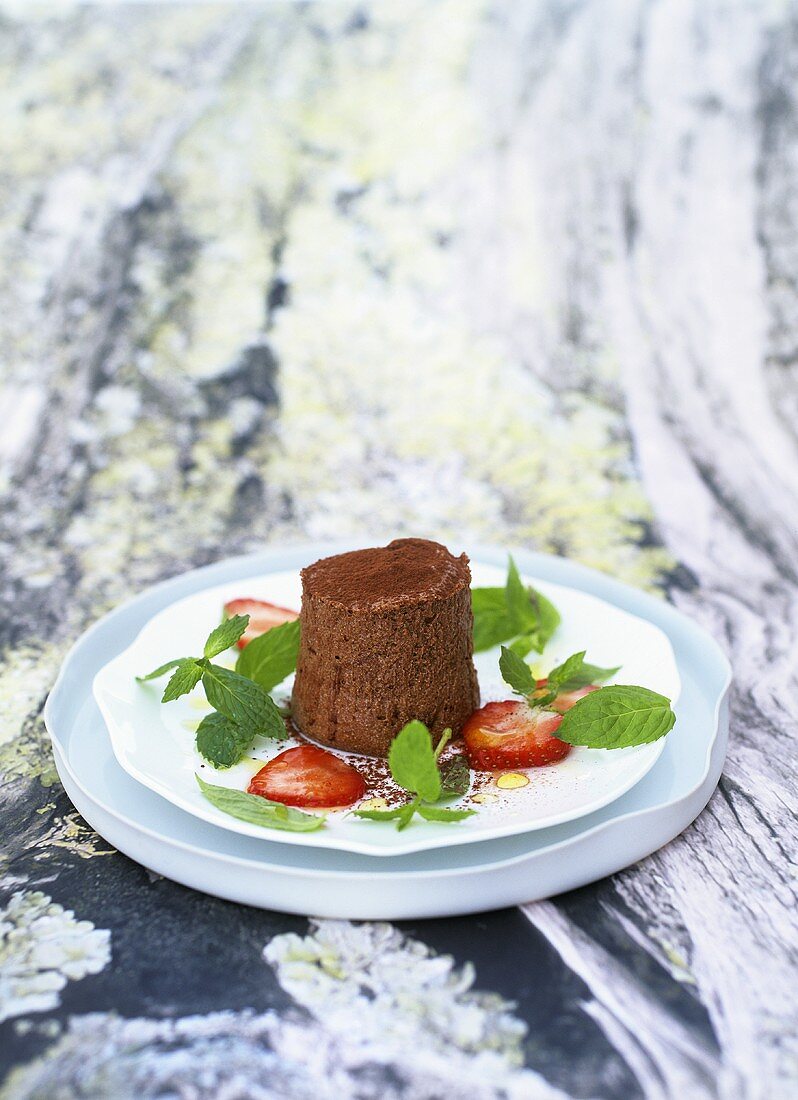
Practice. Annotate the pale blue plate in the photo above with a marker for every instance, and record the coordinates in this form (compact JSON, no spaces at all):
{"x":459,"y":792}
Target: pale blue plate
{"x":463,"y":878}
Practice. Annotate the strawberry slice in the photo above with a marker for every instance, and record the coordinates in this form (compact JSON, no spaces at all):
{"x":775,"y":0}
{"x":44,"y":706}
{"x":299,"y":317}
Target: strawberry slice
{"x":262,"y":617}
{"x":513,"y":735}
{"x":566,"y":699}
{"x":308,"y":776}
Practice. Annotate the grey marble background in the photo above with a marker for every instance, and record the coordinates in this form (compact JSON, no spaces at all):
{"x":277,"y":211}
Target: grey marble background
{"x":518,"y":271}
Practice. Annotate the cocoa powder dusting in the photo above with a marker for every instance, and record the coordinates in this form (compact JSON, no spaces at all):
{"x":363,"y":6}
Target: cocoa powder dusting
{"x":385,"y":577}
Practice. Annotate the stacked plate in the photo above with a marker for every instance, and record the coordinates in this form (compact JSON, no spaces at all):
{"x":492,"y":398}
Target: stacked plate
{"x":128,"y":763}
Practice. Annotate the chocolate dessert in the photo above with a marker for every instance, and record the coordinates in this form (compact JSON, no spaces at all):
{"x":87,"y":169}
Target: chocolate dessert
{"x":386,"y":637}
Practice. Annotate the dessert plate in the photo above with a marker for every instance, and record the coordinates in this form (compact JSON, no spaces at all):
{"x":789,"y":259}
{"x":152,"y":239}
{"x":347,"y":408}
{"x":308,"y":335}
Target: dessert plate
{"x":440,"y":882}
{"x":154,"y":742}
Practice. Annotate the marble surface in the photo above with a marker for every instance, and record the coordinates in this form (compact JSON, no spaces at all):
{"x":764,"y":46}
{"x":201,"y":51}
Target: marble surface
{"x":514,"y":272}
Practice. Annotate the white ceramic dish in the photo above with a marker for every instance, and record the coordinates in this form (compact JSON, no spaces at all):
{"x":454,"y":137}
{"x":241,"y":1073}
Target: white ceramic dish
{"x":439,"y":882}
{"x":154,"y":742}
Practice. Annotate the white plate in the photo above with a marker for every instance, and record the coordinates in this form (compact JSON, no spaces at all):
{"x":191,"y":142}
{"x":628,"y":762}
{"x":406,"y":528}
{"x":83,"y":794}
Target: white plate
{"x":154,"y":742}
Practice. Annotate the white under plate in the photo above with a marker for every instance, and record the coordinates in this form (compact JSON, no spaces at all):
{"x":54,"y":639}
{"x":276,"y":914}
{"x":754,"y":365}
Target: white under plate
{"x":154,"y":742}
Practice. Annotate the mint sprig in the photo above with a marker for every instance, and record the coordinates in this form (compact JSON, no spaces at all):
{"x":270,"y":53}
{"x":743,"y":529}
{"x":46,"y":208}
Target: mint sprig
{"x":517,"y":611}
{"x":414,"y":767}
{"x":219,"y":639}
{"x":243,"y":710}
{"x":574,"y":673}
{"x":614,"y":717}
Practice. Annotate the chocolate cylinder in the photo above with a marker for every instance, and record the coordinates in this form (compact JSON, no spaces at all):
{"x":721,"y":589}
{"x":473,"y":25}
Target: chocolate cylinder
{"x":387,"y":636}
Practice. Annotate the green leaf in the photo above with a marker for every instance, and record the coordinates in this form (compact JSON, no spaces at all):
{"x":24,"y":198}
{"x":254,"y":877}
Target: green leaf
{"x":405,"y":815}
{"x":161,"y":670}
{"x":259,"y":811}
{"x":515,"y":611}
{"x":443,"y":741}
{"x":548,"y":618}
{"x":570,"y":669}
{"x":271,"y":657}
{"x":225,"y":635}
{"x":576,"y":672}
{"x":402,"y":815}
{"x":439,"y":813}
{"x":523,"y":644}
{"x":381,"y":815}
{"x":589,"y":674}
{"x":243,"y":702}
{"x":516,"y":672}
{"x":523,"y":614}
{"x":412,"y":762}
{"x":221,"y":741}
{"x":455,"y":776}
{"x":183,"y":680}
{"x":616,"y":717}
{"x":492,"y":622}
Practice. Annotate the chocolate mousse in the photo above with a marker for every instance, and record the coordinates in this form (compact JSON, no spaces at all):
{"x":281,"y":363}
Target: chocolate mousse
{"x":386,"y":637}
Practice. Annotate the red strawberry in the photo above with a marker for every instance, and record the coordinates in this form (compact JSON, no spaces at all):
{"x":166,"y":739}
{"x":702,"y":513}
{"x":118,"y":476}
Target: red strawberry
{"x":262,"y":617}
{"x":566,"y":699}
{"x":513,"y":735}
{"x":308,"y":776}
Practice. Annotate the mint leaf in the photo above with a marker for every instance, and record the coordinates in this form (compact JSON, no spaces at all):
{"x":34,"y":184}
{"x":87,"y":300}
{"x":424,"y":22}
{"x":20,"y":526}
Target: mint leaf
{"x":244,"y":703}
{"x":225,"y":635}
{"x":414,"y":766}
{"x":405,"y":814}
{"x":617,"y":717}
{"x":400,"y":814}
{"x":412,"y":762}
{"x":161,"y":670}
{"x":221,"y":741}
{"x":576,"y":672}
{"x":523,"y":615}
{"x":589,"y":674}
{"x":439,"y":813}
{"x":271,"y":657}
{"x":568,"y":670}
{"x":492,"y":622}
{"x":259,"y":811}
{"x":381,"y":815}
{"x":516,"y":611}
{"x":523,"y":644}
{"x":455,"y":776}
{"x":548,"y":618}
{"x":516,"y":672}
{"x":183,"y":680}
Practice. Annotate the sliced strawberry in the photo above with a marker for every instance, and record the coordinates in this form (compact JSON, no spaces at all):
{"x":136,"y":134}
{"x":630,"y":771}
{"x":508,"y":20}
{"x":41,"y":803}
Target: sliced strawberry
{"x":513,"y":735}
{"x":308,"y":776}
{"x":262,"y":617}
{"x":566,"y":699}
